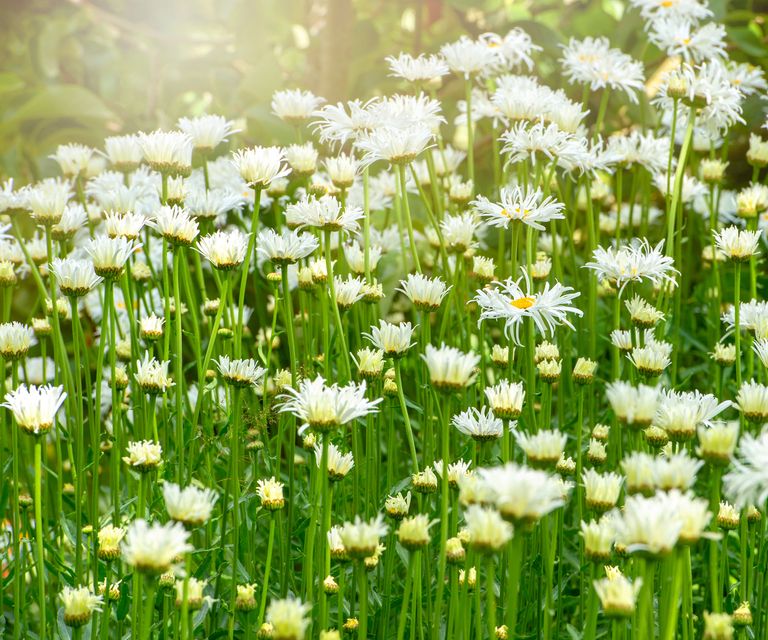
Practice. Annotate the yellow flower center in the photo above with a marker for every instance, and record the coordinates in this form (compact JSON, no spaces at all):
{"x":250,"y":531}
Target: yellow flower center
{"x":526,"y":302}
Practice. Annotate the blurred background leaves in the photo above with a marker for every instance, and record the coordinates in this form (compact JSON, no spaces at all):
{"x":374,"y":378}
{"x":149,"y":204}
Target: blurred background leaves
{"x":78,"y":70}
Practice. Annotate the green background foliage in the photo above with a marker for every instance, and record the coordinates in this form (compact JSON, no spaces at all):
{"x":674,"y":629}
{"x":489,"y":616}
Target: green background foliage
{"x":78,"y":70}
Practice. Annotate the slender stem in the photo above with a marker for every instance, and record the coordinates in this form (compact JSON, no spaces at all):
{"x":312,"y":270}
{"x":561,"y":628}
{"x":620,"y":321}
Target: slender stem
{"x":40,"y":533}
{"x":268,"y":566}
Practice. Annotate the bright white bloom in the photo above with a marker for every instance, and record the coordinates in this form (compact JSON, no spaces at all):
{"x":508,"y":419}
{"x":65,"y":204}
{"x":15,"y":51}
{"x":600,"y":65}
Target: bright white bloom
{"x":339,"y":464}
{"x":752,"y":401}
{"x":349,"y":291}
{"x":143,"y":455}
{"x":73,"y":159}
{"x":240,"y":373}
{"x":322,"y":407}
{"x":355,"y":257}
{"x":523,"y":495}
{"x":468,"y":57}
{"x":75,"y":277}
{"x":15,"y":340}
{"x":633,"y":262}
{"x":47,"y":200}
{"x":168,"y":152}
{"x":506,"y":399}
{"x":601,"y":490}
{"x":632,"y":405}
{"x":655,"y":9}
{"x":79,"y":603}
{"x":294,"y":105}
{"x":34,"y":408}
{"x":738,"y":244}
{"x":549,"y":307}
{"x":480,"y":425}
{"x":124,"y":225}
{"x":287,"y":247}
{"x":513,"y":50}
{"x":530,"y":208}
{"x":152,"y":549}
{"x":288,"y":618}
{"x":260,"y":166}
{"x":424,"y":292}
{"x":394,"y":145}
{"x":681,"y":413}
{"x":175,"y":225}
{"x":325,"y":213}
{"x":681,"y":37}
{"x":593,"y":62}
{"x":717,"y":442}
{"x":152,"y":375}
{"x":225,"y":250}
{"x":302,"y":158}
{"x":675,"y":471}
{"x":123,"y":152}
{"x":393,"y":339}
{"x":191,"y":505}
{"x":450,"y":368}
{"x":617,"y":594}
{"x":543,"y":448}
{"x":488,"y":531}
{"x":151,"y":327}
{"x":340,"y":124}
{"x":109,"y":255}
{"x":270,"y":493}
{"x":342,"y":170}
{"x":747,"y":481}
{"x":652,"y":358}
{"x":361,"y":538}
{"x":423,"y":69}
{"x":207,"y":132}
{"x":649,"y":525}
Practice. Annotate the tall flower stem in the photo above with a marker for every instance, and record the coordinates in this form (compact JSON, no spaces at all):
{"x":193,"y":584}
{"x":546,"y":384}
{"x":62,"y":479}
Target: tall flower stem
{"x":407,"y":212}
{"x":404,"y":410}
{"x":234,"y":444}
{"x":178,"y":366}
{"x":79,"y":441}
{"x":470,"y":129}
{"x":678,"y":187}
{"x":149,"y":608}
{"x":513,"y":583}
{"x":445,"y":454}
{"x":244,"y":273}
{"x":737,"y":320}
{"x":341,"y":335}
{"x":40,"y":532}
{"x":490,"y":596}
{"x":267,"y":568}
{"x":362,"y":581}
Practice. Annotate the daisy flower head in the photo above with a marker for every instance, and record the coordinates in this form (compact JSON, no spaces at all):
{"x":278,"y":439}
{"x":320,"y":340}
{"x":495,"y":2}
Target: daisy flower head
{"x":208,"y":131}
{"x":225,"y":250}
{"x":738,"y":244}
{"x":450,"y":369}
{"x":511,"y":302}
{"x":288,"y":618}
{"x":341,"y":123}
{"x":653,"y":10}
{"x":618,"y":595}
{"x":47,"y":200}
{"x":109,"y":255}
{"x":513,"y":50}
{"x":73,"y":159}
{"x":175,"y":225}
{"x":152,"y":375}
{"x":191,"y":505}
{"x":424,"y":292}
{"x":488,"y":531}
{"x":682,"y":37}
{"x":124,"y":225}
{"x":322,"y":407}
{"x":143,"y":455}
{"x":326,"y":213}
{"x":75,"y":276}
{"x":153,"y":548}
{"x":287,"y":247}
{"x":295,"y":106}
{"x":634,"y":406}
{"x":506,"y":399}
{"x":395,"y":145}
{"x":523,"y":496}
{"x":15,"y":340}
{"x":270,"y":493}
{"x":79,"y":603}
{"x":717,"y":442}
{"x":260,"y":166}
{"x":633,"y":262}
{"x":650,"y":526}
{"x":530,"y":208}
{"x":594,"y":63}
{"x":168,"y":152}
{"x":423,"y":70}
{"x":481,"y":425}
{"x":35,"y":408}
{"x":459,"y":230}
{"x":361,"y":538}
{"x":469,"y":57}
{"x":240,"y":373}
{"x":123,"y":152}
{"x":393,"y":339}
{"x":542,"y":449}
